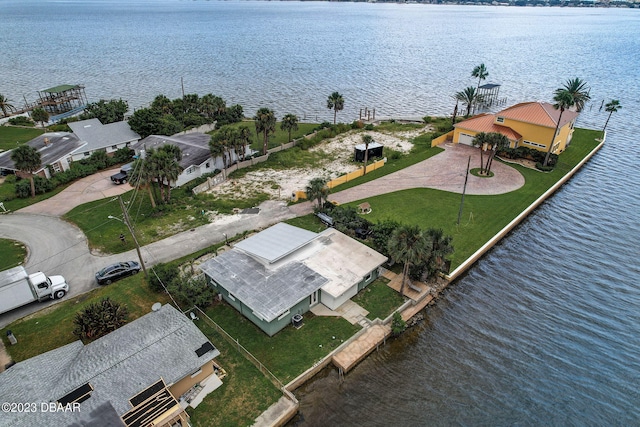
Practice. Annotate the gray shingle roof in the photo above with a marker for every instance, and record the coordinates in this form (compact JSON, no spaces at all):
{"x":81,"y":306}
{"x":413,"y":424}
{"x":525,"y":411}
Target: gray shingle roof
{"x":97,"y":135}
{"x":267,"y":292}
{"x":118,"y":366}
{"x":52,"y":147}
{"x":276,"y":242}
{"x":194,"y":146}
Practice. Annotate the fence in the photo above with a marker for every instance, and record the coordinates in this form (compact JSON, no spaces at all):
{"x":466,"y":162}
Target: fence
{"x":301,"y":194}
{"x":442,"y":138}
{"x":266,"y":372}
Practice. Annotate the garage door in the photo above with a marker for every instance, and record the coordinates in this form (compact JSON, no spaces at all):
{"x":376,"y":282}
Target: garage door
{"x":465,"y":139}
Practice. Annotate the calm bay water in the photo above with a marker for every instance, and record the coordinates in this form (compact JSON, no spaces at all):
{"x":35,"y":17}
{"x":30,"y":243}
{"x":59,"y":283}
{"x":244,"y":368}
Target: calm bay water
{"x":544,"y":330}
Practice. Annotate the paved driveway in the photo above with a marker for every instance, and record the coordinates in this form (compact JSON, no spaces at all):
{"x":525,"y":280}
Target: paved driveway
{"x":444,"y":171}
{"x":94,"y":187}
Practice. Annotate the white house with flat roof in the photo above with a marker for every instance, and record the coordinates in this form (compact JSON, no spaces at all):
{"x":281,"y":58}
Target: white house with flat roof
{"x":285,"y":270}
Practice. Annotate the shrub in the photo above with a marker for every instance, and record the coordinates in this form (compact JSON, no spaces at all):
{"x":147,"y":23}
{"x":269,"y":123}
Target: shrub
{"x":123,"y":155}
{"x":427,"y":119}
{"x":163,"y":274}
{"x":11,"y":179}
{"x":42,"y":185}
{"x":21,"y":121}
{"x":391,"y":154}
{"x":369,"y":127}
{"x":397,"y":324}
{"x":194,"y":291}
{"x":99,"y":318}
{"x":547,"y":168}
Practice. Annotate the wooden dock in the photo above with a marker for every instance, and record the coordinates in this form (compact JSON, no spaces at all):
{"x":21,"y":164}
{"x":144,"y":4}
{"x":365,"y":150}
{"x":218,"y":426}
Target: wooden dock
{"x":361,"y":347}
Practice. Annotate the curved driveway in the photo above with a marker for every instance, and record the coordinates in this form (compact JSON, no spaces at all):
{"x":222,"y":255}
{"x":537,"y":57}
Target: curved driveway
{"x":444,"y":171}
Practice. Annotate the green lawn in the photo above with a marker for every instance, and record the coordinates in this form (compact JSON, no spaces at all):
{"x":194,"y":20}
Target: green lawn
{"x":378,"y":299}
{"x":52,"y":327}
{"x":245,"y":392}
{"x":318,"y":337}
{"x":183,"y":213}
{"x":12,"y":253}
{"x":482,"y":216}
{"x":308,"y":222}
{"x":279,"y":137}
{"x":11,"y":137}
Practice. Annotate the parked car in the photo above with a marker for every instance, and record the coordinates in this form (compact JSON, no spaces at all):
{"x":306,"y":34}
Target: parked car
{"x":116,"y":271}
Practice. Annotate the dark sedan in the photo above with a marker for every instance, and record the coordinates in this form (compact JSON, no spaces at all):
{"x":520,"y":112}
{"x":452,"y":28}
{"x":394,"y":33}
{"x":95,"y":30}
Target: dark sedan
{"x":110,"y":274}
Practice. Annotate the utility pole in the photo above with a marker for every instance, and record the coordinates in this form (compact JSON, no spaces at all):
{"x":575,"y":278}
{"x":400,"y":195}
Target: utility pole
{"x":125,"y":216}
{"x":464,"y":189}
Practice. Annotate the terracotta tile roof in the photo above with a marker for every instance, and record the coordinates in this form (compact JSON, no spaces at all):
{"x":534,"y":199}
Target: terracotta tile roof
{"x":539,"y":113}
{"x":486,"y":123}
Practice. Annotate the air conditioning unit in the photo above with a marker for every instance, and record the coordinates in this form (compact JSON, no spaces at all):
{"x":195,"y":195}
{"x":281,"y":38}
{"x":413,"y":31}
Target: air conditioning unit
{"x":296,"y":321}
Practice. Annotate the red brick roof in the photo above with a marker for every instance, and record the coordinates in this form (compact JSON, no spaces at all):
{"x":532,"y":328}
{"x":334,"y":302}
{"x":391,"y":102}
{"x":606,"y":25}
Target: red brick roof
{"x":486,"y":123}
{"x":539,"y":113}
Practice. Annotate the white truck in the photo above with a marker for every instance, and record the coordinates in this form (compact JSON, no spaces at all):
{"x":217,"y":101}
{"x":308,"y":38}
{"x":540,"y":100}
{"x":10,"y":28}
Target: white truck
{"x":18,"y":288}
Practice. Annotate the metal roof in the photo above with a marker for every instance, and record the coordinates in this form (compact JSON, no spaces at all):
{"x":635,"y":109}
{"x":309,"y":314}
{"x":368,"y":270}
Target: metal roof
{"x":276,"y":242}
{"x":60,"y":88}
{"x":373,"y":145}
{"x":267,"y":292}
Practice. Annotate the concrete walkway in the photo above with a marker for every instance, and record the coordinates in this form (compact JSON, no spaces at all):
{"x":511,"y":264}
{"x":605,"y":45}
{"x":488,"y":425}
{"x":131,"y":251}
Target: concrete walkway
{"x":444,"y":171}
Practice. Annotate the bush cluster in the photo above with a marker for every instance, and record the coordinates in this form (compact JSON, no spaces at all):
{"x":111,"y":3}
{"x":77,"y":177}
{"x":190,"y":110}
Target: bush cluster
{"x":21,"y":121}
{"x":187,"y":290}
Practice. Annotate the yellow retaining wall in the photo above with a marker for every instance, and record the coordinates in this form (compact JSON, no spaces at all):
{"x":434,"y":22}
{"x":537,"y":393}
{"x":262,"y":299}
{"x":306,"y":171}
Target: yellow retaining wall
{"x":442,"y":138}
{"x":342,"y":179}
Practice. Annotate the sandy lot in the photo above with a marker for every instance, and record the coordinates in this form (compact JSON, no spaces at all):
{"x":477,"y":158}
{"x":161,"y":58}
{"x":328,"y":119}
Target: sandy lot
{"x":280,"y":184}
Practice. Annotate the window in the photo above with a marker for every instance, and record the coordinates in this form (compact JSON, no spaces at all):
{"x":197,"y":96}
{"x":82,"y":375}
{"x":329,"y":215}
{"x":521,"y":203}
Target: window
{"x":207,"y":165}
{"x":114,"y":147}
{"x":367,"y":277}
{"x":231,"y":297}
{"x":196,"y":373}
{"x":534,"y":144}
{"x":499,"y":119}
{"x":86,"y":153}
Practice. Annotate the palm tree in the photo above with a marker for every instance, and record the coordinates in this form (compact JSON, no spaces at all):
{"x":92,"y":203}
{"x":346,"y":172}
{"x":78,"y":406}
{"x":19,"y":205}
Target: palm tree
{"x":440,"y":248}
{"x":317,"y":189}
{"x":497,"y":141}
{"x":224,"y":140}
{"x":265,"y":124}
{"x":335,"y":102}
{"x":578,"y":90}
{"x":27,"y":159}
{"x":217,"y":149}
{"x":408,"y":245}
{"x":468,"y":97}
{"x":480,"y":140}
{"x":563,"y":100}
{"x":289,"y":123}
{"x":142,"y":176}
{"x":212,"y":106}
{"x":480,"y":71}
{"x":611,"y":107}
{"x":168,"y":168}
{"x":244,"y":139}
{"x":5,"y":105}
{"x":40,"y":115}
{"x":366,"y":139}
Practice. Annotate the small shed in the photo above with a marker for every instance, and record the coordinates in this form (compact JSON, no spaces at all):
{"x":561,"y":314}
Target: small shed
{"x":375,"y":150}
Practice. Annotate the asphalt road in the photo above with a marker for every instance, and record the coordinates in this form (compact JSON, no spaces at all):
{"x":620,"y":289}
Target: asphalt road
{"x":59,"y":248}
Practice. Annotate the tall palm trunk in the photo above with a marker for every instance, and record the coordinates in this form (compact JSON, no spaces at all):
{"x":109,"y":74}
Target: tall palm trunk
{"x":546,"y":157}
{"x":151,"y":198}
{"x":405,"y":273}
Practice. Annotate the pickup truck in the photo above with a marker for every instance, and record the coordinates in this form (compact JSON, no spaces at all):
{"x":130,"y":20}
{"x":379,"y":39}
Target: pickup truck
{"x":122,"y":176}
